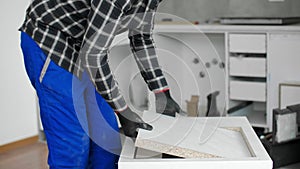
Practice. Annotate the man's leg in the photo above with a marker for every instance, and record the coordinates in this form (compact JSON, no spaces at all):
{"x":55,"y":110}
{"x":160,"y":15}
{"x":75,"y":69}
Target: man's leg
{"x":67,"y":142}
{"x":105,"y":144}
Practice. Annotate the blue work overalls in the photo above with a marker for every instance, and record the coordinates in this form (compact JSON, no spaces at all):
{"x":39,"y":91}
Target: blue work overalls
{"x":80,"y":127}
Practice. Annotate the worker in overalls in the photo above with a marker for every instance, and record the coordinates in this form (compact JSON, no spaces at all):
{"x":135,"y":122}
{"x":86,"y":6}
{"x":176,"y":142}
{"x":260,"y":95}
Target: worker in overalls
{"x":65,"y":45}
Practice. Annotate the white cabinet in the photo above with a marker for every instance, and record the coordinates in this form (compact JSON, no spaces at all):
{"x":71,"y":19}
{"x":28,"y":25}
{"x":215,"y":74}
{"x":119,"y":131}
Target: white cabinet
{"x":257,"y":59}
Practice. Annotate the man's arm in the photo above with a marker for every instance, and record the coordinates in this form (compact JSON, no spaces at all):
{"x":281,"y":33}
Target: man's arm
{"x":144,"y":51}
{"x":103,"y":23}
{"x":143,"y":48}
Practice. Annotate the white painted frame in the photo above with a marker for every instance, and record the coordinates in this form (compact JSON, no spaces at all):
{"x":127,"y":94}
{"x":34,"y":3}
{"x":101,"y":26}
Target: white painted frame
{"x":260,"y":159}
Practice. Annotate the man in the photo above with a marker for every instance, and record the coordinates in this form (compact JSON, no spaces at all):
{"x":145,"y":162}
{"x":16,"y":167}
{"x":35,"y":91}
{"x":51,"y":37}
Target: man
{"x":65,"y":45}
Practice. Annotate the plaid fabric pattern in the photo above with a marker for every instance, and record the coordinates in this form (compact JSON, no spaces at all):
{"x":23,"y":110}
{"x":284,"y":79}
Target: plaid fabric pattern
{"x":77,"y":34}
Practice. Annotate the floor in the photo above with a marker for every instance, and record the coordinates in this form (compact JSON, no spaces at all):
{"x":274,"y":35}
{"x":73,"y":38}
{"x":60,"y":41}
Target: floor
{"x":29,"y":157}
{"x":35,"y":157}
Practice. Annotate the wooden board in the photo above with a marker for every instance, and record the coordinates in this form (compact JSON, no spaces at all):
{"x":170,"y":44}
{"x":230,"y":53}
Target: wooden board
{"x":191,"y":137}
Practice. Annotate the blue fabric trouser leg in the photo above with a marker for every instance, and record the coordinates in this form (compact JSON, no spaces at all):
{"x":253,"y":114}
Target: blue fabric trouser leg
{"x":80,"y":127}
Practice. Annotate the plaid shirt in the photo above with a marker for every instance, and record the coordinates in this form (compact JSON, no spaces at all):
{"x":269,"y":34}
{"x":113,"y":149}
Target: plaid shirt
{"x":77,"y":34}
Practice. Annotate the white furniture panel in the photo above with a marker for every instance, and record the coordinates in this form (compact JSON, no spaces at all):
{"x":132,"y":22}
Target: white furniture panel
{"x":245,"y":90}
{"x":134,"y":158}
{"x":247,"y":66}
{"x":247,"y":43}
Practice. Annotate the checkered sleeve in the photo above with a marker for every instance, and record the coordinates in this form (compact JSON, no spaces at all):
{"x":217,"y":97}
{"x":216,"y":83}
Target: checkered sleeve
{"x":103,"y":22}
{"x":143,"y":48}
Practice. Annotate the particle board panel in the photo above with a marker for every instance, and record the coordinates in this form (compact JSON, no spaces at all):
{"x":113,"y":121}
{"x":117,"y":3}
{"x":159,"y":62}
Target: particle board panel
{"x":192,"y":138}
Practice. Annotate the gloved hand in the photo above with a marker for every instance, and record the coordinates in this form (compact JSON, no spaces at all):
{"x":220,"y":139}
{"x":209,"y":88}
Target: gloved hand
{"x":166,"y":105}
{"x":130,"y":122}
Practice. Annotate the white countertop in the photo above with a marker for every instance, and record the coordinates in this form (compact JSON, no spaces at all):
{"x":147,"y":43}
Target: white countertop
{"x":122,"y":39}
{"x":217,"y":28}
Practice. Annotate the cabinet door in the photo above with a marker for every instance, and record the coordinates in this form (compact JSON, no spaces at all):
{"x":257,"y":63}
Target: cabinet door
{"x":283,"y":65}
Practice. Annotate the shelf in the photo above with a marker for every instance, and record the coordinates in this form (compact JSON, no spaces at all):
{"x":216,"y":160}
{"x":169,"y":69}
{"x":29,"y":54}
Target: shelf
{"x":256,"y":118}
{"x":218,"y":28}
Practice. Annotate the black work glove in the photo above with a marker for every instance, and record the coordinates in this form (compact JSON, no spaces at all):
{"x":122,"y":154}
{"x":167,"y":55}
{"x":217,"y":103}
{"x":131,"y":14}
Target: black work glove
{"x":130,"y":122}
{"x":166,"y":105}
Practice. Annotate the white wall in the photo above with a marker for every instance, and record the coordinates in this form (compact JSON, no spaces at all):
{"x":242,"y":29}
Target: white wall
{"x":18,"y":119}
